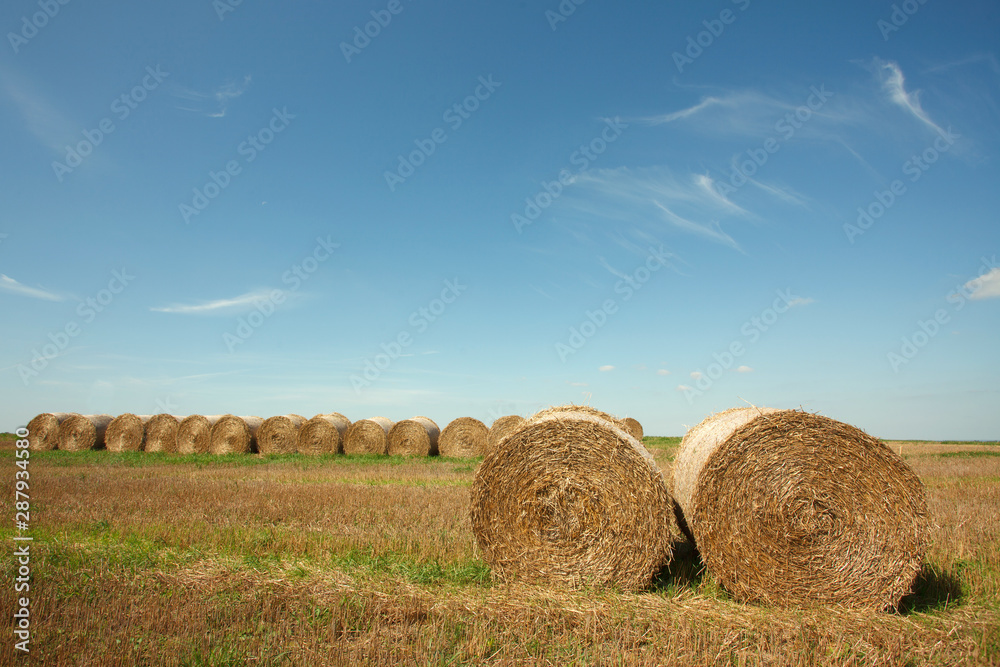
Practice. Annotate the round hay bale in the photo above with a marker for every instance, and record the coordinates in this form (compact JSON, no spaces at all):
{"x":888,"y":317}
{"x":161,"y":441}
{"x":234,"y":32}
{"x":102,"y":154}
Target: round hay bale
{"x":368,"y":436}
{"x":78,"y":433}
{"x":279,"y":435}
{"x":789,"y":508}
{"x":417,"y":436}
{"x":194,"y":434}
{"x":633,"y":427}
{"x":628,"y":424}
{"x":234,"y":435}
{"x":464,"y":437}
{"x":323,"y":434}
{"x":126,"y":432}
{"x":503,"y":427}
{"x":43,"y":430}
{"x":572,"y":499}
{"x":161,"y":434}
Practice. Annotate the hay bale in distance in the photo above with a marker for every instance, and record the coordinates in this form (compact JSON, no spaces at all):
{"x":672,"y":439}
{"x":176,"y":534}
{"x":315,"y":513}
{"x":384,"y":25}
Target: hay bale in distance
{"x":43,"y":430}
{"x":126,"y":432}
{"x":279,"y":435}
{"x":503,"y":427}
{"x":572,"y":499}
{"x":368,"y":436}
{"x":464,"y":437}
{"x":789,"y":508}
{"x":161,"y":434}
{"x":234,"y":435}
{"x":323,"y":434}
{"x":194,"y":434}
{"x":633,"y":427}
{"x":417,"y":436}
{"x":78,"y":433}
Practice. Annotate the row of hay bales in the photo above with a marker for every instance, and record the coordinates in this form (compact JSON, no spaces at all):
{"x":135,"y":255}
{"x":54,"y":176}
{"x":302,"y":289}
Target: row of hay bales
{"x":331,"y":433}
{"x":786,"y":508}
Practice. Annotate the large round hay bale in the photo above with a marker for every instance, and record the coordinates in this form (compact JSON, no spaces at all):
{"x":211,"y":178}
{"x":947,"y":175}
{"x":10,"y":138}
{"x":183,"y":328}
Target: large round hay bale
{"x":78,"y":433}
{"x":789,"y":508}
{"x":630,"y":425}
{"x":464,"y":437}
{"x":126,"y":432}
{"x":43,"y":430}
{"x":161,"y":434}
{"x":501,"y":428}
{"x":323,"y":434}
{"x":234,"y":435}
{"x":368,"y":436}
{"x":194,"y":434}
{"x":634,"y":428}
{"x":279,"y":435}
{"x":417,"y":436}
{"x":572,"y":499}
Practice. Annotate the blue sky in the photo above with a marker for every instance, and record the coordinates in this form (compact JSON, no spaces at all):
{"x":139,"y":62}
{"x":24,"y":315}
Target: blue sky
{"x":484,"y":208}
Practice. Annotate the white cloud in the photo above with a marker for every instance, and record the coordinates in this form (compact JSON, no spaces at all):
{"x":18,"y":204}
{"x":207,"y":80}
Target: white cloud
{"x":683,"y":387}
{"x":986,"y":286}
{"x":8,"y":284}
{"x":241,"y":302}
{"x":663,"y":371}
{"x":213,"y":104}
{"x":683,"y":113}
{"x":605,"y":369}
{"x":578,"y":384}
{"x":894,"y":85}
{"x":800,"y":301}
{"x":744,"y":369}
{"x":696,"y":375}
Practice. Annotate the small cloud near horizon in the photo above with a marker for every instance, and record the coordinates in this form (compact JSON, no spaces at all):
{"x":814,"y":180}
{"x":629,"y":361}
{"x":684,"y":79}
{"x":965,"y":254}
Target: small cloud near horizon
{"x":605,"y":369}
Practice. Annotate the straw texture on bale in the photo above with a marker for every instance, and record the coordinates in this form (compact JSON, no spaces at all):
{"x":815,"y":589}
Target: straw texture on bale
{"x":633,"y":427}
{"x":280,"y":434}
{"x":572,"y":499}
{"x":793,"y":509}
{"x":464,"y":437}
{"x":234,"y":435}
{"x":78,"y":433}
{"x":126,"y":432}
{"x":323,"y":434}
{"x":501,"y":428}
{"x":43,"y":430}
{"x":194,"y":434}
{"x":368,"y":436}
{"x":161,"y":434}
{"x":417,"y":436}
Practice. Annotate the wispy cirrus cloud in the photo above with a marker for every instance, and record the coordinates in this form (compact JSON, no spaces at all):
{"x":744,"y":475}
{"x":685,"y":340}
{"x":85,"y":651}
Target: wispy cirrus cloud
{"x":8,"y":284}
{"x":214,"y":103}
{"x":241,"y":302}
{"x":894,"y":86}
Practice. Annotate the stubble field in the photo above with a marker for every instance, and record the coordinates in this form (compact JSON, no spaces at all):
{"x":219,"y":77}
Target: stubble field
{"x":150,"y":559}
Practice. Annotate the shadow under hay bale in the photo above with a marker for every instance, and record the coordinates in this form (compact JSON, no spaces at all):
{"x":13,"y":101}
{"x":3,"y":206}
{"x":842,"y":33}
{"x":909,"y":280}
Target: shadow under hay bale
{"x":572,"y":499}
{"x":43,"y":430}
{"x":280,"y":434}
{"x":789,"y":508}
{"x":126,"y":432}
{"x":368,"y":436}
{"x":323,"y":434}
{"x":465,"y":437}
{"x":234,"y":435}
{"x":79,"y":433}
{"x":417,"y":436}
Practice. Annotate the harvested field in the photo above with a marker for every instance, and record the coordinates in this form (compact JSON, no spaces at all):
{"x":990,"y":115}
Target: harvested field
{"x":369,"y":560}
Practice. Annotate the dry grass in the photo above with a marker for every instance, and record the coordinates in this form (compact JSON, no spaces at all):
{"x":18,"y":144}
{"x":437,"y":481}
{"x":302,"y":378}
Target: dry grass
{"x":194,"y":560}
